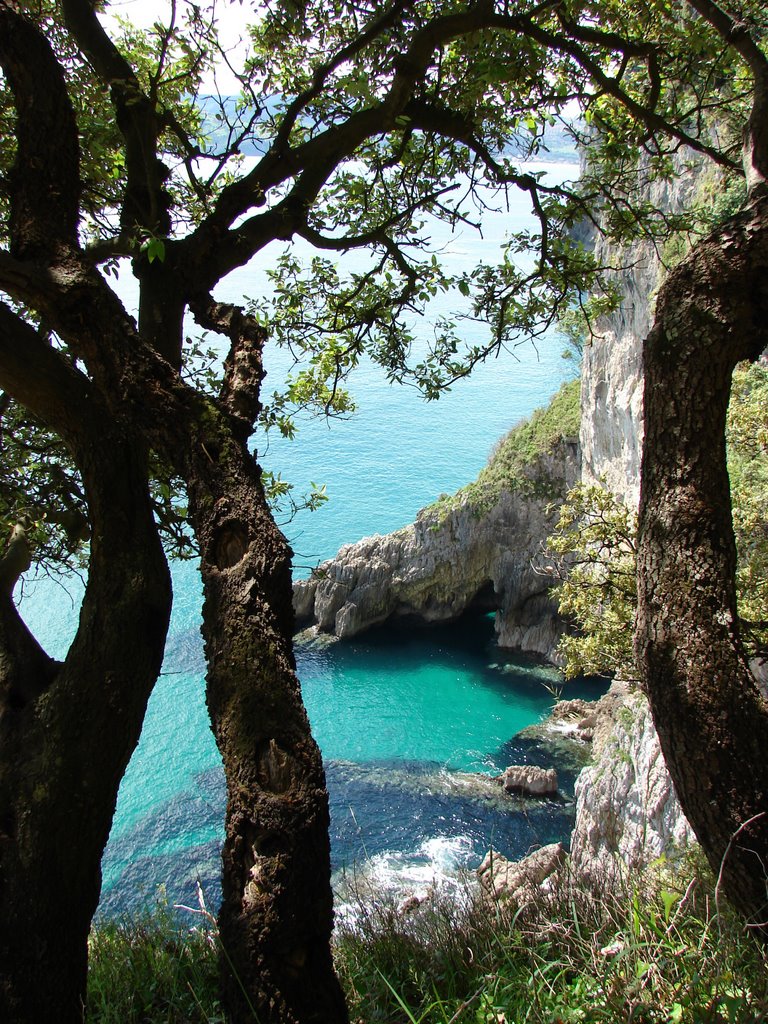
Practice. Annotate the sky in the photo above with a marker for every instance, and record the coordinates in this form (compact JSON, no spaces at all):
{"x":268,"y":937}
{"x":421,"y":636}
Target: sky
{"x":231,"y":17}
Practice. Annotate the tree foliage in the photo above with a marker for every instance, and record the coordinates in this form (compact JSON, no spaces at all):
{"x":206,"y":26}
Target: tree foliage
{"x":357,"y":127}
{"x":594,"y":548}
{"x":333,"y":160}
{"x":593,"y":551}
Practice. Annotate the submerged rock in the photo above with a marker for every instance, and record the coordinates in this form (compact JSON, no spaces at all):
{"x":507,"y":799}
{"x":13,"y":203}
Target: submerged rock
{"x":529,"y":780}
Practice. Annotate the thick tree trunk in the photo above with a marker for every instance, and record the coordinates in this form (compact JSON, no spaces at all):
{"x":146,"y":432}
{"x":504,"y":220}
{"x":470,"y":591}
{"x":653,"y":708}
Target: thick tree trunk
{"x":276,"y":917}
{"x":277,"y":914}
{"x":710,"y":715}
{"x":66,"y":734}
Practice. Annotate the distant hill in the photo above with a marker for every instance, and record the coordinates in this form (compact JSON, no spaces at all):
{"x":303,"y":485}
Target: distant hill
{"x":223,"y":121}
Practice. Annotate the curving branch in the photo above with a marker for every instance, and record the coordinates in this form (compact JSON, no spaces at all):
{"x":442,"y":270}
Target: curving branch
{"x":44,"y":191}
{"x":15,"y":560}
{"x":570,"y":44}
{"x":388,"y":19}
{"x":243,"y":366}
{"x":735,"y":33}
{"x":146,"y":203}
{"x":41,"y":378}
{"x":315,"y":160}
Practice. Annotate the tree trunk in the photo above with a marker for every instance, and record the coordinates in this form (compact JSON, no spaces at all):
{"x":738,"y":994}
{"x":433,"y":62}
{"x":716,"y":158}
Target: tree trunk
{"x":277,"y":916}
{"x":712,"y":720}
{"x":66,"y":734}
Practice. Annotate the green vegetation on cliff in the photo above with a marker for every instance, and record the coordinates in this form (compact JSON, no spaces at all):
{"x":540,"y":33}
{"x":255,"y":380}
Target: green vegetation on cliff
{"x":593,"y":547}
{"x":516,"y":463}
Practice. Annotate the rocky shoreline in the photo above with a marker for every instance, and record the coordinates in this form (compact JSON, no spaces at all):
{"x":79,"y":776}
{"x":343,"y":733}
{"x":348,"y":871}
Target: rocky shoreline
{"x":479,"y":549}
{"x":627,"y":813}
{"x":468,"y":553}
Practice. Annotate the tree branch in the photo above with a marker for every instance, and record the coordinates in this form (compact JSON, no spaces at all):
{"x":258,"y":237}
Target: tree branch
{"x":146,"y":202}
{"x":735,"y":33}
{"x":44,"y":183}
{"x":317,"y":158}
{"x":41,"y":378}
{"x":755,"y":140}
{"x":610,"y":86}
{"x":377,"y":27}
{"x":14,"y":561}
{"x":243,"y":367}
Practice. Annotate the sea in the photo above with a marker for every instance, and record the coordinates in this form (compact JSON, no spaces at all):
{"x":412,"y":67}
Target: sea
{"x":412,"y":722}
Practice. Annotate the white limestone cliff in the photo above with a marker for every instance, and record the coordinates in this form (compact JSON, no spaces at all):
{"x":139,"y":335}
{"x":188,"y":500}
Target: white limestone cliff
{"x":611,"y":433}
{"x":627,"y":813}
{"x":452,"y":558}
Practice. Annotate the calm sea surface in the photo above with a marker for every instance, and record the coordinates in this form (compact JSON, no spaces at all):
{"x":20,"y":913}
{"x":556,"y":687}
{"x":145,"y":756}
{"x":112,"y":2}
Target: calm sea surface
{"x":400,"y":716}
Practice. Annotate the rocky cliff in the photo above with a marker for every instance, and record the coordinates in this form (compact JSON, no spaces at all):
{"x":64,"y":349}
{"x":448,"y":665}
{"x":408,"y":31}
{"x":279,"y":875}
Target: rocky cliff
{"x":476,"y":548}
{"x":612,"y":370}
{"x":627,"y":813}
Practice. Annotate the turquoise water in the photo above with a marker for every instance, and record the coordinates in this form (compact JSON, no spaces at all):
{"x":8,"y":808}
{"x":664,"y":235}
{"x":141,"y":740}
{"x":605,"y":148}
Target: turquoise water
{"x":397,"y":714}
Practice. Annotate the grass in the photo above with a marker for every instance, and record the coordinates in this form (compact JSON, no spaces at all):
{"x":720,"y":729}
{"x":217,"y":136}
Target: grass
{"x":667,"y":956}
{"x":514,"y":464}
{"x":661,"y":953}
{"x":151,"y":969}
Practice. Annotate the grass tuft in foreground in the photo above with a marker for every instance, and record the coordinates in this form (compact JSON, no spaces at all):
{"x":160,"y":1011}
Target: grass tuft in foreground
{"x":665,"y":954}
{"x":667,"y":957}
{"x":150,"y":969}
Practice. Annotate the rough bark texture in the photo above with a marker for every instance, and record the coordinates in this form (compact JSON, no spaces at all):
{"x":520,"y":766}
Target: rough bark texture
{"x":711,"y":717}
{"x":66,"y":734}
{"x":277,"y":914}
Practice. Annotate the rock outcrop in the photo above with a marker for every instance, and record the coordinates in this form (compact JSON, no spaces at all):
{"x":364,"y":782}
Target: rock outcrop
{"x":529,"y":780}
{"x":468,"y":553}
{"x":627,"y":814}
{"x":519,"y":881}
{"x":457,"y":555}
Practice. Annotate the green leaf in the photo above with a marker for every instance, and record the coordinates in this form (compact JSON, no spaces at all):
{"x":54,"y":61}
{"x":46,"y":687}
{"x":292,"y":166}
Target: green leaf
{"x":154,"y":249}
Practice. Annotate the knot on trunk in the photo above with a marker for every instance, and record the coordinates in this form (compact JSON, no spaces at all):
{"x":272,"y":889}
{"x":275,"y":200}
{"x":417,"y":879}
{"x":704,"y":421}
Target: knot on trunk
{"x":276,"y":768}
{"x":230,"y":545}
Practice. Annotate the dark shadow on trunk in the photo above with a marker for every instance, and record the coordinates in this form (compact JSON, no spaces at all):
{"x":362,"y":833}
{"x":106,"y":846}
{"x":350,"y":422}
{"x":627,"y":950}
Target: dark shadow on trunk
{"x":66,"y":734}
{"x":710,"y":715}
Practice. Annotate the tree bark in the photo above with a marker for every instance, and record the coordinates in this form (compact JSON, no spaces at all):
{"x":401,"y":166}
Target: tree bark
{"x":276,"y":916}
{"x":66,"y":734}
{"x":711,"y":717}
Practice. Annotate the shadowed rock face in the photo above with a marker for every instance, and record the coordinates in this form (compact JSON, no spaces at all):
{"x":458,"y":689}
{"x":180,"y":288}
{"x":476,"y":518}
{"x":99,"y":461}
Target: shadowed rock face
{"x":447,"y":562}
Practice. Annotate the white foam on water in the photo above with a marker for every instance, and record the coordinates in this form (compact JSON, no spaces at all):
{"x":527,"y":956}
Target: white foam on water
{"x":393,"y":877}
